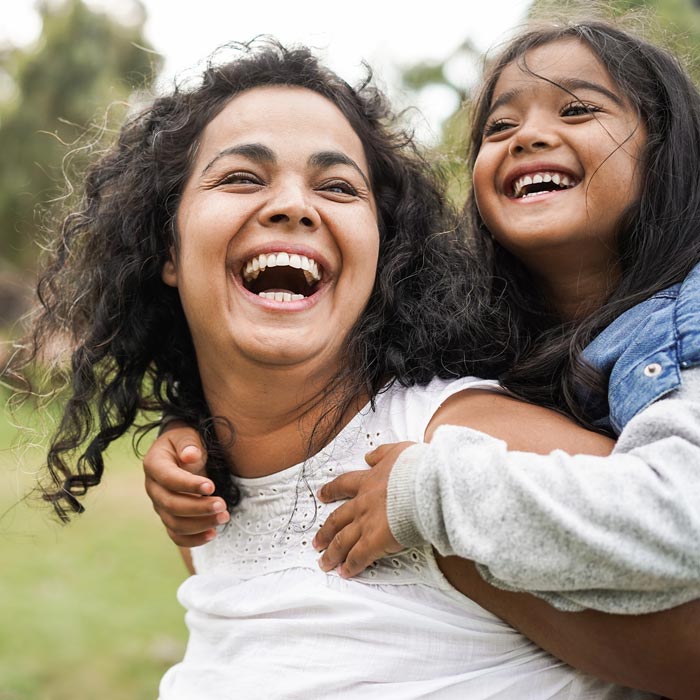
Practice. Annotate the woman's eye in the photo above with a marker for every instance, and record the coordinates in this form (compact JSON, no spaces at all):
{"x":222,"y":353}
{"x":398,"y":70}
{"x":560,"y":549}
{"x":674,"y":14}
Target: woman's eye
{"x":578,"y":109}
{"x":497,"y":126}
{"x":239,"y":178}
{"x":339,"y":187}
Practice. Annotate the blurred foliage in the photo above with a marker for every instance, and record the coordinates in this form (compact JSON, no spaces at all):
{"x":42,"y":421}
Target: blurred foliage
{"x":54,"y":98}
{"x":674,"y":24}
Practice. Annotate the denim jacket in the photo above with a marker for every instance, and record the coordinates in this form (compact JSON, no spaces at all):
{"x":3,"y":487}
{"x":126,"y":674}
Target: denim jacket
{"x":644,"y":350}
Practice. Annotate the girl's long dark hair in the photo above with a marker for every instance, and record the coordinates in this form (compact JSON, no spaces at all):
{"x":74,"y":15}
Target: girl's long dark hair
{"x":658,"y":239}
{"x":102,"y":295}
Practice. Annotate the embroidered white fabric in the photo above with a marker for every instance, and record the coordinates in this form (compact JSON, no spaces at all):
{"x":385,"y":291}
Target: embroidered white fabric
{"x":266,"y":622}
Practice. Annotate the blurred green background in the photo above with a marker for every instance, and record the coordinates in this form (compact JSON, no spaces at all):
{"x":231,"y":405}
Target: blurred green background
{"x":88,"y":610}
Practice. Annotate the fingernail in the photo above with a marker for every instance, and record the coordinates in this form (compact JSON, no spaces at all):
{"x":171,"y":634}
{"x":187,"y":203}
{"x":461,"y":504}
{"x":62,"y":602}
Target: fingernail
{"x":218,"y":507}
{"x":206,"y":488}
{"x":222,"y":518}
{"x":210,"y":536}
{"x":190,"y":450}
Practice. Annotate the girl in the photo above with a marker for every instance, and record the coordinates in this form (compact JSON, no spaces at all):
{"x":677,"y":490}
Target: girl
{"x":253,"y":249}
{"x":586,"y":202}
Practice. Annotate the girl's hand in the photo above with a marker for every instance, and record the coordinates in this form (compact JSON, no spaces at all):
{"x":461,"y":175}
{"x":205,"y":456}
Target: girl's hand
{"x":181,"y":494}
{"x":357,"y":533}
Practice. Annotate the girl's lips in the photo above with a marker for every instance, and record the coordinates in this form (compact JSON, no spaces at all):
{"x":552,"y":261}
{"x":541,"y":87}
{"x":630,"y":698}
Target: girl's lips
{"x":538,"y":173}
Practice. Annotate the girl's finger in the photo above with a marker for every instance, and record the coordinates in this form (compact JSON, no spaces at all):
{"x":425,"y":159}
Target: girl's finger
{"x":182,"y":505}
{"x":335,"y":522}
{"x":357,"y":559}
{"x":343,"y":486}
{"x":337,"y":550}
{"x":189,"y":527}
{"x":161,"y":466}
{"x":378,"y":453}
{"x":192,"y":540}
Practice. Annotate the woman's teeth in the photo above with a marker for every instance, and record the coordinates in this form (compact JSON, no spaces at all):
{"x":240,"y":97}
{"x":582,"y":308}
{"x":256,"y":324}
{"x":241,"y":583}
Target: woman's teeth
{"x":281,"y":296}
{"x":261,"y":262}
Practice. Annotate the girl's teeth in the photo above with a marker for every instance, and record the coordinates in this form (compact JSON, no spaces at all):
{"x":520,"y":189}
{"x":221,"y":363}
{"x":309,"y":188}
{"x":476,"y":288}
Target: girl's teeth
{"x":272,"y":260}
{"x":282,"y":259}
{"x":295,"y":261}
{"x":561,"y":180}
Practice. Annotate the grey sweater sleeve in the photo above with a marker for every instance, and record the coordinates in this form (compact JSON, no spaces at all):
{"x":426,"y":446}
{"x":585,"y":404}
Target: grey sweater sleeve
{"x":619,"y":534}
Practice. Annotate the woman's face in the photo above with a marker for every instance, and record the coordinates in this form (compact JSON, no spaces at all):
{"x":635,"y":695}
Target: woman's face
{"x":278,"y":236}
{"x":560,"y":157}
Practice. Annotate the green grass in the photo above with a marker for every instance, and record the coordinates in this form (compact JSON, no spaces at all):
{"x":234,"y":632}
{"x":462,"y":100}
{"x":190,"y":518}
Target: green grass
{"x":87,"y":610}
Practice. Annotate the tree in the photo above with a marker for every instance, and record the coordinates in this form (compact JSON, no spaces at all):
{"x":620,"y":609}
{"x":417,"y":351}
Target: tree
{"x":53,"y":105}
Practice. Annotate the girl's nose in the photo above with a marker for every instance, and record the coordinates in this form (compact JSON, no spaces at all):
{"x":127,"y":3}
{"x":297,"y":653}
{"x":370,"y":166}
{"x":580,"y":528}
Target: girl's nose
{"x":531,"y":138}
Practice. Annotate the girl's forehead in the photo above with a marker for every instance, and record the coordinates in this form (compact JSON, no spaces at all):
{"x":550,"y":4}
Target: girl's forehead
{"x":557,"y":62}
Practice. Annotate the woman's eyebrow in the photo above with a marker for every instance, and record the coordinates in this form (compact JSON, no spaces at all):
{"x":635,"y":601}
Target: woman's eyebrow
{"x":326,"y":159}
{"x":568,"y":85}
{"x":256,"y":152}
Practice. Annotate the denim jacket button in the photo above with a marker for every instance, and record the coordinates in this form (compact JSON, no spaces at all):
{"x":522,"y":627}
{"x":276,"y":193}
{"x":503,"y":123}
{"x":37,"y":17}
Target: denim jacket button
{"x":652,"y":370}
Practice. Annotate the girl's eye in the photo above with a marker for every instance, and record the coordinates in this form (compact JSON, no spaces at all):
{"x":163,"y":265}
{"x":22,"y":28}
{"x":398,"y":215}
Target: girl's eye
{"x":497,"y":126}
{"x":339,"y":187}
{"x":578,"y":109}
{"x":239,"y":178}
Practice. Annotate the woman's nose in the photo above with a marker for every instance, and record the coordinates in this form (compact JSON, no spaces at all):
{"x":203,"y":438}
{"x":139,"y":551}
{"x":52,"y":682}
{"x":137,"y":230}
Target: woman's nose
{"x":290,"y":207}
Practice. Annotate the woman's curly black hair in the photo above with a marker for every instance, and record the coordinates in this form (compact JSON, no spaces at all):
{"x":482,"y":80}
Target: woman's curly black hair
{"x":658,"y":238}
{"x":102,"y":293}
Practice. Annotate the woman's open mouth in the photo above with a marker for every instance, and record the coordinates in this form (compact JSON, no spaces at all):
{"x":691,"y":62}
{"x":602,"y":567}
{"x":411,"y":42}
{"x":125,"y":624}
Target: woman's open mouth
{"x":282,"y":276}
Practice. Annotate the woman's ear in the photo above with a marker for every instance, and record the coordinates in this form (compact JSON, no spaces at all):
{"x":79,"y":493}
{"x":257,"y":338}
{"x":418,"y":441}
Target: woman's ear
{"x":169,"y":272}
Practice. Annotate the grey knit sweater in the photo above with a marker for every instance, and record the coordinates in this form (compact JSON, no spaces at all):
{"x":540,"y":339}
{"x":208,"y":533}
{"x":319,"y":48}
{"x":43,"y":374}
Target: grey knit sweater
{"x":619,"y":534}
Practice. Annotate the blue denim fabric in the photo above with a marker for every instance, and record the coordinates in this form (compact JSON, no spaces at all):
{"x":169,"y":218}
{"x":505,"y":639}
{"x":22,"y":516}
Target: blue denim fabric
{"x":644,"y":350}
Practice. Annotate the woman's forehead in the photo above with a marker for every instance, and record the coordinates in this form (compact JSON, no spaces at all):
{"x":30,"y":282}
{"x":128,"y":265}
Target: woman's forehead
{"x":282,"y":117}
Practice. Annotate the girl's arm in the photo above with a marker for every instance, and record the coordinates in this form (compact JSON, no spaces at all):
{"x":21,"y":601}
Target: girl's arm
{"x":619,"y":534}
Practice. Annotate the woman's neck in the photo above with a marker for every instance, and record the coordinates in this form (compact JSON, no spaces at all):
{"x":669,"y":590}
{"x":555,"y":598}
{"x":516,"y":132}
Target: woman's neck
{"x":279,"y":415}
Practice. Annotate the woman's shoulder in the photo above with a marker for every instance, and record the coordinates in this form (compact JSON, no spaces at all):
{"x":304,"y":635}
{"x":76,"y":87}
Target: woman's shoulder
{"x":407,"y":410}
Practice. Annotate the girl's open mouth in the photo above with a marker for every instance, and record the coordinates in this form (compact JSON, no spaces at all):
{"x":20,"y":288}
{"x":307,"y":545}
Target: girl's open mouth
{"x":537,"y":183}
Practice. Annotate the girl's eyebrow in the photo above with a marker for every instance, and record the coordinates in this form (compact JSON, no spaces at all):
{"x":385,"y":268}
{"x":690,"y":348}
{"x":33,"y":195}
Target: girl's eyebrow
{"x":326,"y":159}
{"x":257,"y":152}
{"x":569,"y":85}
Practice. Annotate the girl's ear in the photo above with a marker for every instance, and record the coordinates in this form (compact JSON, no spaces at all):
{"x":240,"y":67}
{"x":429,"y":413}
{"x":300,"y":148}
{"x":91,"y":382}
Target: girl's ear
{"x":169,"y":272}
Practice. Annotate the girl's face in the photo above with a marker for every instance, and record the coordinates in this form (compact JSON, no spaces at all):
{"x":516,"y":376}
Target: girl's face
{"x":560,"y":158}
{"x":278,"y":236}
